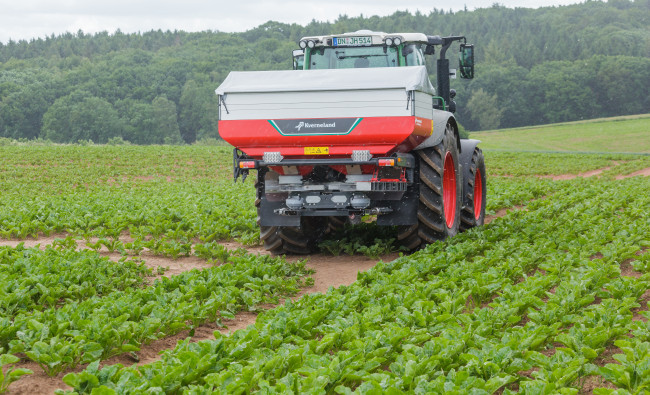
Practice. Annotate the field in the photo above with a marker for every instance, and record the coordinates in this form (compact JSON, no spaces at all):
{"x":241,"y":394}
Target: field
{"x":138,"y":269}
{"x":622,"y":134}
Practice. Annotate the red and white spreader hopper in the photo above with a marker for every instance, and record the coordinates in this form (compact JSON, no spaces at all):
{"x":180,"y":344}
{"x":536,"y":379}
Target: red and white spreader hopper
{"x":329,"y":112}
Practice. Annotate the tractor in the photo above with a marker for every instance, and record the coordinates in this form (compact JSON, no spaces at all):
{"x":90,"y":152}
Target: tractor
{"x":356,"y":129}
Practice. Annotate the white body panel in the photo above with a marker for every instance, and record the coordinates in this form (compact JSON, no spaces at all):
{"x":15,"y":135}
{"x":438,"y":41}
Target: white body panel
{"x":423,"y":105}
{"x":316,"y":104}
{"x":412,"y":78}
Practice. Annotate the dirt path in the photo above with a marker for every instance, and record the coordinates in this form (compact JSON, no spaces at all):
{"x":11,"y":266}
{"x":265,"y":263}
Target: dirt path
{"x":591,"y":173}
{"x":586,"y":174}
{"x":330,"y":271}
{"x":596,"y":173}
{"x":501,"y":213}
{"x":172,"y":266}
{"x":644,"y":172}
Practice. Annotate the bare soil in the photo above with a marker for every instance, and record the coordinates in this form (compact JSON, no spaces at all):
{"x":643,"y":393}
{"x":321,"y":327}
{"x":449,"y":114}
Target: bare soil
{"x":645,"y":173}
{"x":502,"y":213}
{"x":596,"y":173}
{"x":38,"y":382}
{"x":591,"y":173}
{"x":627,"y":269}
{"x":171,"y":266}
{"x":590,"y":383}
{"x":42,"y":241}
{"x":643,"y":302}
{"x":586,"y":174}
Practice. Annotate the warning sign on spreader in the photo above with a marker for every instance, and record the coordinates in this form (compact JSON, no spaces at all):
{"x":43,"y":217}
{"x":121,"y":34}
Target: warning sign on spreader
{"x":317,"y":150}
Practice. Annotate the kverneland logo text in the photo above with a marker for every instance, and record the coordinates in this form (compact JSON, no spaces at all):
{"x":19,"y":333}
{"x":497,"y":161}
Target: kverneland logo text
{"x":315,"y":125}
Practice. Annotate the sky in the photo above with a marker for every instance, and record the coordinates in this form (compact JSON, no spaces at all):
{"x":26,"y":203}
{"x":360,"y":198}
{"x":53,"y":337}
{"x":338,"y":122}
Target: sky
{"x":29,"y":19}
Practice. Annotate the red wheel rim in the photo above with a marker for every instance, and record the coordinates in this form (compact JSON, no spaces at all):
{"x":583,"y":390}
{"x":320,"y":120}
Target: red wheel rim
{"x":478,"y":194}
{"x":449,"y":190}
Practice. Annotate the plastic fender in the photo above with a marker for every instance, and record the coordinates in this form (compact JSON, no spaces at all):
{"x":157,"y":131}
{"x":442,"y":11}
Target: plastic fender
{"x":440,"y":121}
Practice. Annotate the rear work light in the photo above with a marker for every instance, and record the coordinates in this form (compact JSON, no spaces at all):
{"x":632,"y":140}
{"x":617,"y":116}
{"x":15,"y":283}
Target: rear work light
{"x":386,"y":162}
{"x":272,"y":157}
{"x":247,"y":164}
{"x":361,"y":155}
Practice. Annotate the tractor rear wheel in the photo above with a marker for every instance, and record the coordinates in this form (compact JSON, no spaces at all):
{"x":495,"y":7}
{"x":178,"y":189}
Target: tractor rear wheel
{"x":440,"y":194}
{"x":473,"y":213}
{"x":336,"y":223}
{"x":298,"y":240}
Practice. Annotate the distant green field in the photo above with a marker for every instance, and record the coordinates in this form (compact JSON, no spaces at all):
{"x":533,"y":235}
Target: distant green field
{"x":620,"y":134}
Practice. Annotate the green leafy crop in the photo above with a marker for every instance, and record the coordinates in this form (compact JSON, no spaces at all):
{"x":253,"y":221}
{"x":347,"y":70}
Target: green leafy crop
{"x":478,"y":313}
{"x":8,"y":373}
{"x":531,"y":302}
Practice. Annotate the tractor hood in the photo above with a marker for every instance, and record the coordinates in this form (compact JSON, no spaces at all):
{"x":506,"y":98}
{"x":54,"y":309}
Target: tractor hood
{"x":412,"y":78}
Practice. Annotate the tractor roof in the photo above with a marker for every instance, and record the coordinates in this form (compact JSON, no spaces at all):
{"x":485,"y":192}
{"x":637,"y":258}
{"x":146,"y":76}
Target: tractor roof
{"x":377,"y":37}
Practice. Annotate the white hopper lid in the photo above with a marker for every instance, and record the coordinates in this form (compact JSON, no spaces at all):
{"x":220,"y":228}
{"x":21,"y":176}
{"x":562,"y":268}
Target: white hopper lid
{"x":411,"y":78}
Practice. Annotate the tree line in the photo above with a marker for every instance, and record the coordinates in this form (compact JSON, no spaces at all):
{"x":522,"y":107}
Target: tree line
{"x":534,"y":66}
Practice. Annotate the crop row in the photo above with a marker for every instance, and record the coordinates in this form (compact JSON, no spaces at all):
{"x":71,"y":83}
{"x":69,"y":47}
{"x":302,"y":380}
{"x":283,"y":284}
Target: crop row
{"x":83,"y":328}
{"x":63,"y":169}
{"x":163,"y":211}
{"x":479,"y":311}
{"x":503,"y":163}
{"x":186,"y":195}
{"x":33,"y":279}
{"x":183,"y":208}
{"x":169,"y":218}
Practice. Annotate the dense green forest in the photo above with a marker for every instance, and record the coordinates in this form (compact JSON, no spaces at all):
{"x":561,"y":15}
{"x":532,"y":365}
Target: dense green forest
{"x":534,"y":66}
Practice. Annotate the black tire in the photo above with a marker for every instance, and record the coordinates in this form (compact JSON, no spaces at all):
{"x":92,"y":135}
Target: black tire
{"x":473,"y":213}
{"x":336,"y":223}
{"x":298,"y":240}
{"x":436,"y":220}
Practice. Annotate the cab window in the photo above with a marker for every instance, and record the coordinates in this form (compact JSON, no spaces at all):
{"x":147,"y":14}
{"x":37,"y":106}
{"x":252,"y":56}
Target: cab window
{"x":352,"y":57}
{"x":413,"y":55}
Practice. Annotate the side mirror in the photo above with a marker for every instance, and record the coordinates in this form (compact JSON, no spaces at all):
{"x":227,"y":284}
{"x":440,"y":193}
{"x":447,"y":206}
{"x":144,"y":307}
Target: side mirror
{"x":429,"y":49}
{"x":298,"y":59}
{"x":466,"y":61}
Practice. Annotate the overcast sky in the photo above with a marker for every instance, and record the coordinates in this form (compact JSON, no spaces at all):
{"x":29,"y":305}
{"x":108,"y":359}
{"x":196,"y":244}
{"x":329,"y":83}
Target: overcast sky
{"x":27,"y":19}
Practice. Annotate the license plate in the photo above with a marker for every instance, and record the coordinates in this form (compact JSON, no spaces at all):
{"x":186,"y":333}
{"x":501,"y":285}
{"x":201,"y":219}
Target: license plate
{"x":317,"y":150}
{"x":352,"y":41}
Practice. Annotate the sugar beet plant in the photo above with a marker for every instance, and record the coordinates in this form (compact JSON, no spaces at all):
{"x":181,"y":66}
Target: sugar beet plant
{"x":34,"y":280}
{"x":167,"y":198}
{"x":528,"y":302}
{"x":375,"y":241}
{"x":178,"y":196}
{"x":64,"y":307}
{"x":8,"y":372}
